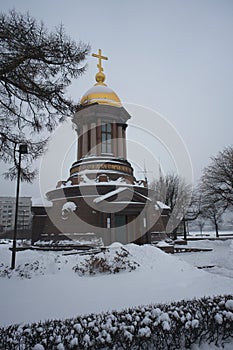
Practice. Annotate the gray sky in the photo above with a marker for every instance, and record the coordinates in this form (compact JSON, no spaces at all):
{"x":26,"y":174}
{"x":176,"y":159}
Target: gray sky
{"x":174,"y":57}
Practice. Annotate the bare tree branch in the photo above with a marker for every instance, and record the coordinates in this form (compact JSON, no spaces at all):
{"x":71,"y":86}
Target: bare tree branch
{"x":36,"y":67}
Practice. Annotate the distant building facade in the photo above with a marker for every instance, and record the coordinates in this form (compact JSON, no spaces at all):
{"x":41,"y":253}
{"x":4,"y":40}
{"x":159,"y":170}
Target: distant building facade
{"x":7,"y":213}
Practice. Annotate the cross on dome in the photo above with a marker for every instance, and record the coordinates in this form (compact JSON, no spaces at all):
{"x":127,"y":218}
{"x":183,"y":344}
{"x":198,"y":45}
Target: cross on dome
{"x":100,"y":57}
{"x":100,"y":76}
{"x":100,"y":93}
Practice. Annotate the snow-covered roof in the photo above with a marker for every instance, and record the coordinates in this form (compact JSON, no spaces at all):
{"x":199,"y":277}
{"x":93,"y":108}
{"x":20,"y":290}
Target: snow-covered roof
{"x":99,"y":89}
{"x":161,"y":205}
{"x":109,"y":194}
{"x":119,"y":190}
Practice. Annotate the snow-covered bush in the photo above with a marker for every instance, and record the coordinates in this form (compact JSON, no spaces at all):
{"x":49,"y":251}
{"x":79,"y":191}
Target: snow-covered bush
{"x":162,"y":327}
{"x":26,"y":270}
{"x":34,"y":267}
{"x":110,"y":261}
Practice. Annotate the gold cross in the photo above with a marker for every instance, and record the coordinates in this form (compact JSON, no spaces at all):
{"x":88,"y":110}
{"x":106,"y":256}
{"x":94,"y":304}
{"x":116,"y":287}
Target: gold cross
{"x":100,"y":57}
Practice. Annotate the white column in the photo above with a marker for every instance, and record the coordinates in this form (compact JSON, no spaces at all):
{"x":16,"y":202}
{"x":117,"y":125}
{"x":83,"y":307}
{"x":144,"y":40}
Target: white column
{"x":93,"y":139}
{"x":114,"y":137}
{"x":98,"y":147}
{"x":85,"y":140}
{"x":124,"y":144}
{"x":120,"y":141}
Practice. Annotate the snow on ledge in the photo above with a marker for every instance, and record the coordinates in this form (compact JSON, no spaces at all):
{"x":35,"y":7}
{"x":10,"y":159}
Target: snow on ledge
{"x":109,"y":194}
{"x":162,"y":205}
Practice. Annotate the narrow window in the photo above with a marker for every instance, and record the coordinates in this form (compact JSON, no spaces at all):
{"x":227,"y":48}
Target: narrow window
{"x":106,"y":138}
{"x":108,"y":222}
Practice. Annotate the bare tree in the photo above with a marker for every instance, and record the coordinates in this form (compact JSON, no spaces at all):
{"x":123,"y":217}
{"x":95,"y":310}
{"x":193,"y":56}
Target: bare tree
{"x":193,"y":211}
{"x":217,"y":179}
{"x":201,"y":223}
{"x":216,"y":187}
{"x":172,"y":190}
{"x":36,"y":67}
{"x":213,"y":210}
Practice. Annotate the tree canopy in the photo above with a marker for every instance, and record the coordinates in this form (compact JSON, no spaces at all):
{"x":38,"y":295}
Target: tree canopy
{"x":216,"y":187}
{"x":217,"y":179}
{"x":173,"y":190}
{"x":36,"y":67}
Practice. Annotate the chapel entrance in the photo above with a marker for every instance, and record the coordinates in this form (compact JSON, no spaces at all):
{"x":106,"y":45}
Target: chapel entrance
{"x":120,"y":229}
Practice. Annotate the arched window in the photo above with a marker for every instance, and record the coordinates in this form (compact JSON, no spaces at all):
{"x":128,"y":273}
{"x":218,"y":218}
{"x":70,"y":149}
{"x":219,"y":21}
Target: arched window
{"x":106,"y":138}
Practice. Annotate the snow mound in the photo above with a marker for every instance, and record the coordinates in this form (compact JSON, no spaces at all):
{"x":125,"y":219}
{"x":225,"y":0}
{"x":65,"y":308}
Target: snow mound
{"x":116,"y":245}
{"x":46,"y":286}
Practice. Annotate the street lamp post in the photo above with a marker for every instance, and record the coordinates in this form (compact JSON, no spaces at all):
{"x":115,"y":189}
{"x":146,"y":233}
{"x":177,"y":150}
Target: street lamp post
{"x":22,"y":150}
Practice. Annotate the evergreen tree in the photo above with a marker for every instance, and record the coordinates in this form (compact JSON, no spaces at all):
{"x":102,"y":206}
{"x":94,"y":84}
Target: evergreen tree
{"x":36,"y":67}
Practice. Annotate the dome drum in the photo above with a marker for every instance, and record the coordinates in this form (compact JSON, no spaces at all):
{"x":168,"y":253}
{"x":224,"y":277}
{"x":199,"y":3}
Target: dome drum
{"x":92,"y":112}
{"x":101,"y":169}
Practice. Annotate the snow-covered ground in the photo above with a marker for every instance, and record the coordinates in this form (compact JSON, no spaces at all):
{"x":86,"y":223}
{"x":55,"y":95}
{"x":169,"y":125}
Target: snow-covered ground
{"x":221,"y":256}
{"x":209,"y":234}
{"x":50,"y":288}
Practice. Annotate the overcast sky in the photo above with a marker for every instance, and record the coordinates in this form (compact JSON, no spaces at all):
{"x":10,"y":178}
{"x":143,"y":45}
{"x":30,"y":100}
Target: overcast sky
{"x":174,"y":57}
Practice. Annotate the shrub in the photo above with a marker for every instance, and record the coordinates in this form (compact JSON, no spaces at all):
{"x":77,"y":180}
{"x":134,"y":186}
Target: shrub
{"x":162,"y":327}
{"x":110,"y":261}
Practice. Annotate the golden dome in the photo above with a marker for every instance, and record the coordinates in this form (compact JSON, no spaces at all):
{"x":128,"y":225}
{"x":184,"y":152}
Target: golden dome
{"x":100,"y":93}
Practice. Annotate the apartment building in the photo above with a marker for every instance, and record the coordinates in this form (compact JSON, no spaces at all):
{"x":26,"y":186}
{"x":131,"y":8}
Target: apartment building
{"x":7,"y":213}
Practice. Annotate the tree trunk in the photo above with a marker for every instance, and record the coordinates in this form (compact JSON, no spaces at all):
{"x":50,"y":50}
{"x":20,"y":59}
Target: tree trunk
{"x":185,"y":231}
{"x":174,"y":234}
{"x":216,"y":228}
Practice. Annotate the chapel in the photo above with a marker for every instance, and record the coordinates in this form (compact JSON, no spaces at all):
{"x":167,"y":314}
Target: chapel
{"x":101,"y":195}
